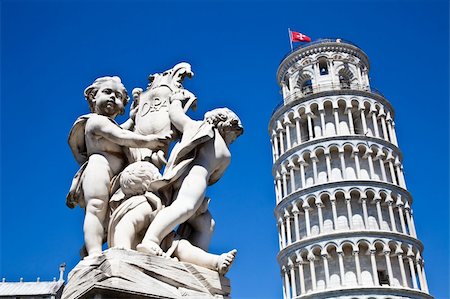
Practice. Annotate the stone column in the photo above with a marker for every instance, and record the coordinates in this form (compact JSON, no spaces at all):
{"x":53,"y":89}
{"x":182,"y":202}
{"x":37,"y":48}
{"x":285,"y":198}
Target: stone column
{"x":375,"y":123}
{"x":287,"y":128}
{"x":358,"y":267}
{"x":279,"y":235}
{"x":286,"y":283}
{"x":350,"y":121}
{"x":319,"y":205}
{"x":425,"y":283}
{"x":275,"y":142}
{"x":283,"y":232}
{"x":391,"y":126}
{"x":365,"y":213}
{"x":387,"y":253}
{"x":296,"y":213}
{"x":302,"y":172}
{"x":419,"y":274}
{"x":357,"y":165}
{"x":336,"y":120}
{"x":328,"y":165}
{"x":368,"y":156}
{"x":341,"y":266}
{"x":326,"y":269}
{"x":349,"y":211}
{"x":306,"y":208}
{"x":383,"y":126}
{"x":298,"y":130}
{"x":363,"y":121}
{"x":310,"y":126}
{"x":410,"y":256}
{"x":280,"y":136}
{"x":287,"y":218}
{"x":301,"y":273}
{"x":334,"y":211}
{"x":314,"y":166}
{"x":282,"y":149}
{"x":390,"y":202}
{"x":312,"y":269}
{"x":412,"y":233}
{"x":399,"y":205}
{"x":398,"y":169}
{"x":399,"y":253}
{"x":284,"y":178}
{"x":373,"y":262}
{"x":291,"y":167}
{"x":391,"y":168}
{"x":322,"y":121}
{"x":292,"y":272}
{"x":278,"y":186}
{"x":380,"y":157}
{"x":342,"y":158}
{"x":379,"y":214}
{"x":412,"y":223}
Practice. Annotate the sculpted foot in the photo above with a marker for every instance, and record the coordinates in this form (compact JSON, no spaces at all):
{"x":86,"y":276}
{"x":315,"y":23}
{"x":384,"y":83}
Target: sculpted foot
{"x":225,"y":260}
{"x":150,"y":247}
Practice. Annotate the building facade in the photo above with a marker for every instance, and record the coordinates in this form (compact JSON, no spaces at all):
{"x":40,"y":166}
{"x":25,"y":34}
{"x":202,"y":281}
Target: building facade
{"x":344,"y":214}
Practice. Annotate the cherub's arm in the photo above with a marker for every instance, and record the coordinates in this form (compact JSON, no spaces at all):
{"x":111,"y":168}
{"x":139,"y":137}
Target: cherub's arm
{"x":104,"y":127}
{"x":129,"y":123}
{"x":176,"y":112}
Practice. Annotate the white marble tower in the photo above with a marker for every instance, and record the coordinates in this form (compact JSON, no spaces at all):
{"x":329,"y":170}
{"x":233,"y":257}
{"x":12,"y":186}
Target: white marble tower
{"x":344,"y":214}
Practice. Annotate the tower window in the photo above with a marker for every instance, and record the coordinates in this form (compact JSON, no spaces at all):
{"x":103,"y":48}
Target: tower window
{"x":323,"y":66}
{"x":307,"y":87}
{"x":383,"y":277}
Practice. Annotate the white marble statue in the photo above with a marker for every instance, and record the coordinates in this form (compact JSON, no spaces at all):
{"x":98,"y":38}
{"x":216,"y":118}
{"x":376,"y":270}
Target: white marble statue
{"x":134,"y":208}
{"x":100,"y":145}
{"x":126,"y":199}
{"x":198,"y":160}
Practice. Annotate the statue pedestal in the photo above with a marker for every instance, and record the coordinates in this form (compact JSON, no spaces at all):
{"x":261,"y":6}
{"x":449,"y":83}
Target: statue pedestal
{"x":120,"y":273}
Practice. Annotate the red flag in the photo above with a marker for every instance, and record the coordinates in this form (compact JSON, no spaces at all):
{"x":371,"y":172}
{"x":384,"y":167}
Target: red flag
{"x":299,"y":37}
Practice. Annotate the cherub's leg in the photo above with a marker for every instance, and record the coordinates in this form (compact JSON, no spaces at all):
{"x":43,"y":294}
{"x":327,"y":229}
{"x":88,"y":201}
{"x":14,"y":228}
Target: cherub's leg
{"x":96,"y":194}
{"x":202,"y":230}
{"x":186,"y":252}
{"x":131,"y":224}
{"x":189,"y":198}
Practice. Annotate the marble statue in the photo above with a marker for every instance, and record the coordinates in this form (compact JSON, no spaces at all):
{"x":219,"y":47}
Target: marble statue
{"x":198,"y":160}
{"x":100,"y":145}
{"x":136,"y":209}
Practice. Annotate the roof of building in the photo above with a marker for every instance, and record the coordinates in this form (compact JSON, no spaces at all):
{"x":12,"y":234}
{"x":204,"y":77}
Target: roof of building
{"x":30,"y":288}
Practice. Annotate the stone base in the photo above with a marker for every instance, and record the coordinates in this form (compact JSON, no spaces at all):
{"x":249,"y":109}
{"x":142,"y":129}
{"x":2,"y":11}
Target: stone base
{"x":120,"y":273}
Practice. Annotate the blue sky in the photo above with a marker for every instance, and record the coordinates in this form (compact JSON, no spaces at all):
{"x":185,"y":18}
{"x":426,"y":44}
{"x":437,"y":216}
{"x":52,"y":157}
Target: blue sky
{"x":52,"y":50}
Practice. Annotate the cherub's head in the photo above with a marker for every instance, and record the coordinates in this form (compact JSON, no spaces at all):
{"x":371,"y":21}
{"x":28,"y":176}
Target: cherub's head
{"x":227,"y":122}
{"x":107,"y":96}
{"x":136,"y":178}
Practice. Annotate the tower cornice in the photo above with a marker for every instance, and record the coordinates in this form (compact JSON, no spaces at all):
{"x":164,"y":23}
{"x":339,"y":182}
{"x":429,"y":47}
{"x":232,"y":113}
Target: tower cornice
{"x":320,"y":46}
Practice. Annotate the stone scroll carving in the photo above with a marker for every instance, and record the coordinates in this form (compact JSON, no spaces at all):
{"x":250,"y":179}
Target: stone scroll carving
{"x":135,"y":193}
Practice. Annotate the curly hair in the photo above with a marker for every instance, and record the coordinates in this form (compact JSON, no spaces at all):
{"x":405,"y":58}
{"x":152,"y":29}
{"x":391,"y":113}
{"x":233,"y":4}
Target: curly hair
{"x":135,"y":179}
{"x":91,"y":91}
{"x":223,"y":118}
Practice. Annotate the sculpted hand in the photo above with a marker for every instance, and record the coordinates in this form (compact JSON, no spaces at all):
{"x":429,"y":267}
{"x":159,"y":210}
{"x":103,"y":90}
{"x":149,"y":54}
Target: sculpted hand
{"x":135,"y":105}
{"x":159,"y":140}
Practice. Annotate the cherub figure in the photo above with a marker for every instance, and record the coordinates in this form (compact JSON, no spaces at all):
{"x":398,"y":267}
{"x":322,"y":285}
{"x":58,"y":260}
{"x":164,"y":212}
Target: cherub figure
{"x":134,"y":207}
{"x":101,"y":146}
{"x":197,"y":161}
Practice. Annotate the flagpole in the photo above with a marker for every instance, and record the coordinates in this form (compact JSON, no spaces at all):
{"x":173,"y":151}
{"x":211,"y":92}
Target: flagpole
{"x":290,"y":39}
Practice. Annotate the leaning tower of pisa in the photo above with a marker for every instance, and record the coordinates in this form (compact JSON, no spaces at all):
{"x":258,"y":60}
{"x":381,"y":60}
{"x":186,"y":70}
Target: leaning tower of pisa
{"x":344,"y":214}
